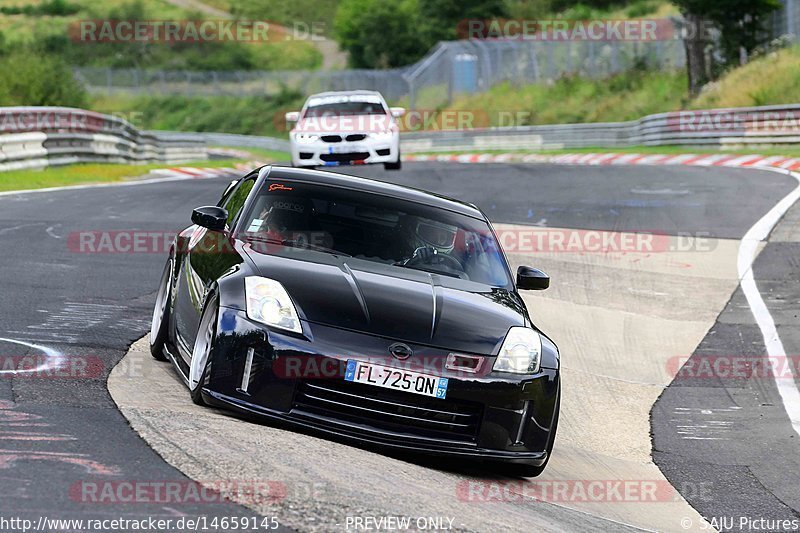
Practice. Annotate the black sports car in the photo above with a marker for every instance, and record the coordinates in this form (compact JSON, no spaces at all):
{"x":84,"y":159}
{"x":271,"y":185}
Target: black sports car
{"x":361,"y":309}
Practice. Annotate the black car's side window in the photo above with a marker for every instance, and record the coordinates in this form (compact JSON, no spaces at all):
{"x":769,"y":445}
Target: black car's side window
{"x":234,"y":203}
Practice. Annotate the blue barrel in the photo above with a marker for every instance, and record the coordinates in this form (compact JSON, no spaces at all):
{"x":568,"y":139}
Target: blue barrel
{"x":465,"y":73}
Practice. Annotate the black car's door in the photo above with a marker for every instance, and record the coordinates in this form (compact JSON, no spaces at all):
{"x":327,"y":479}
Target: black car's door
{"x":208,"y":255}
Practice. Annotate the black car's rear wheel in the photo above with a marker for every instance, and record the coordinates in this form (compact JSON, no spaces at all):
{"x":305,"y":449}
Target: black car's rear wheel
{"x":203,"y":346}
{"x":159,"y":326}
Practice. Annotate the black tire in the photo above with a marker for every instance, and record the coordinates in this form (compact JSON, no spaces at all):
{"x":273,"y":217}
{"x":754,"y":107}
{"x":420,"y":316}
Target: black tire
{"x":203,"y":347}
{"x":397,"y":165}
{"x":159,"y":326}
{"x":534,"y":471}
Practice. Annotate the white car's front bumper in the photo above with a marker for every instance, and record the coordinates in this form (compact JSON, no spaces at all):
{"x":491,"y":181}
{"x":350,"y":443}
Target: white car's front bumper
{"x":359,"y":152}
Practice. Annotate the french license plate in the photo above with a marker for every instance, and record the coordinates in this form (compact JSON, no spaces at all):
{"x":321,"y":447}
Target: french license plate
{"x":347,"y":149}
{"x":396,"y":379}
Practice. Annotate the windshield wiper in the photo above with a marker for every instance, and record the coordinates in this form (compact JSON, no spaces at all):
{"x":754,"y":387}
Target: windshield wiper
{"x":315,"y":247}
{"x":430,"y":269}
{"x":293,"y":243}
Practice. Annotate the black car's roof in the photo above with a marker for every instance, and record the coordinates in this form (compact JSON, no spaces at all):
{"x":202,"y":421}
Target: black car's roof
{"x":374,"y":186}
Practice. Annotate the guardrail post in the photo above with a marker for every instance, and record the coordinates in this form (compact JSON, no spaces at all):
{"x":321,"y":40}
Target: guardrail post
{"x":570,"y":65}
{"x":615,"y":57}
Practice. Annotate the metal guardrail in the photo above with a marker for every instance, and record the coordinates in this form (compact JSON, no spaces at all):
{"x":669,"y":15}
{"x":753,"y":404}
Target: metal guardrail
{"x":33,"y":137}
{"x":235,"y":140}
{"x":714,"y":128}
{"x":36,"y":137}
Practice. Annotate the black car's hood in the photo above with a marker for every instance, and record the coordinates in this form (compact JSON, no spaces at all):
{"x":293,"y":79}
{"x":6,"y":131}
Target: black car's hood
{"x":401,"y":304}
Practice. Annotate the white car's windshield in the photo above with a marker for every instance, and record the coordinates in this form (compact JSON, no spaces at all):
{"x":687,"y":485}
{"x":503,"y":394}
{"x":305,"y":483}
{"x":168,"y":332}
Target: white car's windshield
{"x":347,"y":106}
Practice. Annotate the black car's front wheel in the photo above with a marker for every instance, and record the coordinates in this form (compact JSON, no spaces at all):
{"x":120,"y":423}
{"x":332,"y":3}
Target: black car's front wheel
{"x":203,"y":346}
{"x":160,"y":323}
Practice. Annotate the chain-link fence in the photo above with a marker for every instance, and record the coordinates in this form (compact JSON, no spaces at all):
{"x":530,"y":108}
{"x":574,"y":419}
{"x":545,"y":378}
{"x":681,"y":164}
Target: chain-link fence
{"x":238,"y":83}
{"x":450,"y":68}
{"x":470,"y":66}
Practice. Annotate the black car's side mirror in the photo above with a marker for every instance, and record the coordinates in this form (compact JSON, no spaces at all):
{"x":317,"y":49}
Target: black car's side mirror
{"x":211,"y":217}
{"x":532,"y":279}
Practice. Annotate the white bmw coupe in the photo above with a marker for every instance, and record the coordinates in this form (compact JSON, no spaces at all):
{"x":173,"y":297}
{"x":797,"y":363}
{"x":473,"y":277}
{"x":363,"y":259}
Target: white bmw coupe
{"x":345,"y":128}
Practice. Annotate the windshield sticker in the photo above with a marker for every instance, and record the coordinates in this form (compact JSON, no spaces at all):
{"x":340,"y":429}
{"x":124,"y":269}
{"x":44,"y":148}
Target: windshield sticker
{"x":255,"y":225}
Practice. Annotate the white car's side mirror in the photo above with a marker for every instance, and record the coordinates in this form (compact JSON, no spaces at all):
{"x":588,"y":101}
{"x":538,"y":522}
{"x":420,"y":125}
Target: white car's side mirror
{"x":292,"y":116}
{"x":397,"y":112}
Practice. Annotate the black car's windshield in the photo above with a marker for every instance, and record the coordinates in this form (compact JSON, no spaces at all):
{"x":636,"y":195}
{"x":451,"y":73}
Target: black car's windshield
{"x":376,"y":228}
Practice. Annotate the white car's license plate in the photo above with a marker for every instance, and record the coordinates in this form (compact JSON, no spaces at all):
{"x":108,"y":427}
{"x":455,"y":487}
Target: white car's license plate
{"x":347,"y":149}
{"x":396,"y":379}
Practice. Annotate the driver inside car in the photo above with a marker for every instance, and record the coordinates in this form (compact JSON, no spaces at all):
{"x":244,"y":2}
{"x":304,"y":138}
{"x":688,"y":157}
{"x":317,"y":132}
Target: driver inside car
{"x":429,"y":239}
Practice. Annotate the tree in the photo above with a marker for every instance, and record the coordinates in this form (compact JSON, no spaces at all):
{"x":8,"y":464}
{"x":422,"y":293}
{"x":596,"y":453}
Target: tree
{"x":378,"y":33}
{"x":438,"y":20}
{"x":741,"y":28}
{"x":389,"y":33}
{"x":38,"y":80}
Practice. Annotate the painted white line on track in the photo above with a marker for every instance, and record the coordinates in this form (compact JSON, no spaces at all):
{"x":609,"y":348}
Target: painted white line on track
{"x":52,"y":354}
{"x":787,"y":388}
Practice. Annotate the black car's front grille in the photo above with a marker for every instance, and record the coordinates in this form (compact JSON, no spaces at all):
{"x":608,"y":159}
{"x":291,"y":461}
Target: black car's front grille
{"x":332,"y":138}
{"x":356,"y":137}
{"x":389,"y":410}
{"x":345,"y":158}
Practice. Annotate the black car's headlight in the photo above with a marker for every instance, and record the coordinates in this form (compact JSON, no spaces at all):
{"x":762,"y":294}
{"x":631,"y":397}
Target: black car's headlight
{"x":521,"y":352}
{"x":269,"y":303}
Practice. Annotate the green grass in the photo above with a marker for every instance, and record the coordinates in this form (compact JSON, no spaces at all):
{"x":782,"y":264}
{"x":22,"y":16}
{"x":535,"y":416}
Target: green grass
{"x":14,"y":180}
{"x":255,"y":115}
{"x":18,"y":28}
{"x":770,"y":79}
{"x":627,"y":96}
{"x":52,"y":35}
{"x":91,"y":173}
{"x":286,"y":12}
{"x":623,"y":10}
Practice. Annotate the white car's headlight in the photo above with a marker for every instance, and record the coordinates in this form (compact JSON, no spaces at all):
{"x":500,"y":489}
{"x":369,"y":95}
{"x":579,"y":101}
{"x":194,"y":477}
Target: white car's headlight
{"x":306,"y":138}
{"x":381,"y":134}
{"x":269,"y":303}
{"x":521,"y":352}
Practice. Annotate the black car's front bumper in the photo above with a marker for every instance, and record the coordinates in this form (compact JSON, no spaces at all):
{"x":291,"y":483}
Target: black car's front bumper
{"x":300,"y":380}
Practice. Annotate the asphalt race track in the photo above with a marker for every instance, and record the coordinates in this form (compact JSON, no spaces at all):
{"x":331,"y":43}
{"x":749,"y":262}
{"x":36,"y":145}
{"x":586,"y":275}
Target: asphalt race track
{"x":62,"y":433}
